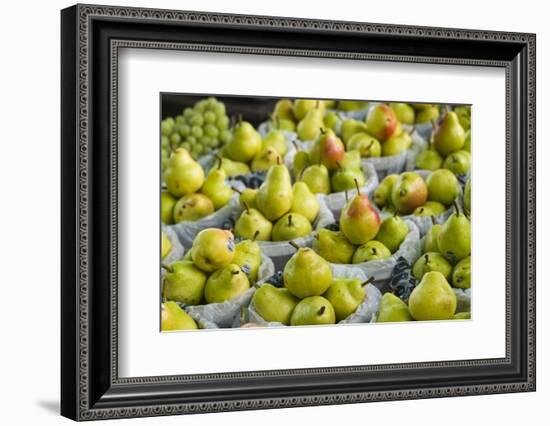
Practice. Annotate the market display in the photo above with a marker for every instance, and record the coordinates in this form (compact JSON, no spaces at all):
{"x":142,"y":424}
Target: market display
{"x":323,"y":212}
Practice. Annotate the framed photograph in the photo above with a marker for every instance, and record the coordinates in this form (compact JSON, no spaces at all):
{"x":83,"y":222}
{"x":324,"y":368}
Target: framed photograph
{"x":263,"y":212}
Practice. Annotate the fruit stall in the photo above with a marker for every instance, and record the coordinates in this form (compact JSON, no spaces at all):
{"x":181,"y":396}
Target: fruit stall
{"x":298,"y":212}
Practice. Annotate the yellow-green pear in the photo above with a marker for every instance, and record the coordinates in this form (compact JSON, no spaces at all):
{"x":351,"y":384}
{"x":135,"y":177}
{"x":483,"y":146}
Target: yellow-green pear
{"x":430,"y":240}
{"x":393,"y":309}
{"x":350,"y":127}
{"x":428,"y":159}
{"x":372,"y":250}
{"x":310,"y":126}
{"x":303,"y":106}
{"x":275,"y":139}
{"x":167,"y":203}
{"x":225,"y":284}
{"x":244,"y":144}
{"x":454,"y":238}
{"x":266,"y":158}
{"x":458,"y":162}
{"x":165,"y":245}
{"x":314,"y":310}
{"x":442,"y":186}
{"x":304,"y":202}
{"x":274,"y":304}
{"x":216,"y":188}
{"x":367,"y":145}
{"x":284,"y":109}
{"x":234,"y":168}
{"x":404,"y":112}
{"x":448,"y":136}
{"x":396,"y":144}
{"x":307,"y":273}
{"x":183,"y":175}
{"x":431,"y":208}
{"x":192,"y":207}
{"x":301,"y":161}
{"x":467,"y":196}
{"x":432,"y":299}
{"x":184,"y":283}
{"x":409,"y":191}
{"x":213,"y":249}
{"x":317,"y":178}
{"x":174,"y":318}
{"x":426,"y":115}
{"x":328,"y":150}
{"x":291,"y":226}
{"x":359,"y":221}
{"x":382,"y":193}
{"x":461,"y":273}
{"x":432,"y":262}
{"x":392,"y":232}
{"x":249,"y":257}
{"x":345,"y":295}
{"x":274,"y":197}
{"x":333,"y":246}
{"x":252,"y":224}
{"x":467,"y":142}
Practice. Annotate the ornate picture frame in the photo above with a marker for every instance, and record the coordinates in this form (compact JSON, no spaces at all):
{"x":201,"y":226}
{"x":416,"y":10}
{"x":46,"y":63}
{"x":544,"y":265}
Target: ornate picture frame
{"x":90,"y":38}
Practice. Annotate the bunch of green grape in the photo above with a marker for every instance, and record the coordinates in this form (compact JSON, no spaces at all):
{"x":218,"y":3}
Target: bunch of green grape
{"x":200,"y":129}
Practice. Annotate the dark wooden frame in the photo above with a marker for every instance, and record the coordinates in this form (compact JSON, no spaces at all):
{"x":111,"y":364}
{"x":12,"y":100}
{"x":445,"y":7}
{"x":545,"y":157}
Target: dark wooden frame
{"x":91,"y":37}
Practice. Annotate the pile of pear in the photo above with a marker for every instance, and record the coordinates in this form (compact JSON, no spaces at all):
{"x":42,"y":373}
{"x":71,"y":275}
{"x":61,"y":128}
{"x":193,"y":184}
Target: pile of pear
{"x":450,"y":144}
{"x":189,"y":194}
{"x":408,"y":193}
{"x":214,"y":270}
{"x":278,"y":210}
{"x":327,"y":167}
{"x":444,"y":265}
{"x":246,"y":151}
{"x":311,"y":294}
{"x":362,"y":237}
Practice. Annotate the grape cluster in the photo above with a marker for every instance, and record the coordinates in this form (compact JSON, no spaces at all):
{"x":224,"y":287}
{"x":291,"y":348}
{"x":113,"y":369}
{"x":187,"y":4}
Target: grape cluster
{"x":200,"y":129}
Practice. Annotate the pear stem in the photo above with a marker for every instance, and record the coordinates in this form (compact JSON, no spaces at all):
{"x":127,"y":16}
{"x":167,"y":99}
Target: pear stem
{"x":296,"y":145}
{"x":220,"y":161}
{"x":235,"y":272}
{"x":279,"y":160}
{"x":322,"y":130}
{"x":457,"y":209}
{"x":255,"y":235}
{"x":277,"y":122}
{"x":339,"y":165}
{"x":413,"y":130}
{"x":434,"y":222}
{"x":357,"y":186}
{"x":368,"y":281}
{"x":289,"y":220}
{"x":239,"y":118}
{"x":321,"y":310}
{"x":426,"y":258}
{"x":317,"y":104}
{"x":346,"y":194}
{"x":246,"y":207}
{"x":301,"y":173}
{"x":396,"y":213}
{"x":238,"y":191}
{"x":293,"y":244}
{"x":167,"y":268}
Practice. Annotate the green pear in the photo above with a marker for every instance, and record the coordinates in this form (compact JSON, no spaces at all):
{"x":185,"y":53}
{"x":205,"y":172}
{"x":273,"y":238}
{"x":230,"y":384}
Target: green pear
{"x":304,"y":106}
{"x":310,"y":126}
{"x":409,"y":192}
{"x":183,"y":175}
{"x":458,"y":162}
{"x":381,"y":122}
{"x":307,"y":274}
{"x":304,"y":202}
{"x":428,"y":159}
{"x":275,"y":139}
{"x":216,"y":188}
{"x":274,"y":197}
{"x":432,"y":299}
{"x":352,"y":105}
{"x":291,"y":226}
{"x":359,"y":221}
{"x":345,"y":177}
{"x":213,"y":249}
{"x":392,"y":232}
{"x":174,"y":318}
{"x":249,"y":257}
{"x":234,"y":168}
{"x":430,"y":240}
{"x":301,"y":161}
{"x":396,"y":144}
{"x":382,"y":194}
{"x":314,"y":310}
{"x":442,"y":186}
{"x":283,"y":124}
{"x":351,"y":160}
{"x":274,"y":304}
{"x":372,"y":250}
{"x":431,"y":208}
{"x":461,"y":273}
{"x":184,"y":283}
{"x":316,"y":177}
{"x":426,"y":115}
{"x":167,"y":203}
{"x":266,"y":158}
{"x":467,"y":197}
{"x":467,"y":142}
{"x":225,"y":284}
{"x":244,"y":144}
{"x":393,"y":309}
{"x":284,"y":109}
{"x":331,"y":120}
{"x":462,"y":316}
{"x":345,"y":295}
{"x":404,"y":112}
{"x":192,"y":207}
{"x":333,"y":246}
{"x":432,"y":262}
{"x":327,"y":149}
{"x":252,"y":222}
{"x":247,"y":198}
{"x":165,"y":246}
{"x":454,"y":238}
{"x":448,"y":136}
{"x":350,"y":127}
{"x":464,"y":115}
{"x":367,"y":145}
